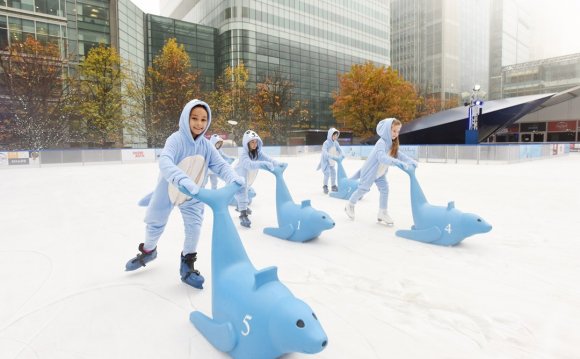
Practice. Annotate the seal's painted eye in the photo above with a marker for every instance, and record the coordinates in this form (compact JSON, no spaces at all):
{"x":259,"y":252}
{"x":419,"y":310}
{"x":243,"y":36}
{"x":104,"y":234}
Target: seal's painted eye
{"x":300,"y":323}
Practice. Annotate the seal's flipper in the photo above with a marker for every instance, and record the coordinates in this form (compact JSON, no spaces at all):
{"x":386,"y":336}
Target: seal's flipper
{"x":428,"y":235}
{"x":284,"y":232}
{"x":220,"y":335}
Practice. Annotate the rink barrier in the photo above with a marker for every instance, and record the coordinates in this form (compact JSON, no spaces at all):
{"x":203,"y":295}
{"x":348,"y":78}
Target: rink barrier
{"x":476,"y":154}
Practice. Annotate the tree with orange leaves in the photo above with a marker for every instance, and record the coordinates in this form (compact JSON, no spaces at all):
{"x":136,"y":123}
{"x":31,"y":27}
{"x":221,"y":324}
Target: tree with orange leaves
{"x":370,"y":93}
{"x":32,"y":93}
{"x":171,"y":83}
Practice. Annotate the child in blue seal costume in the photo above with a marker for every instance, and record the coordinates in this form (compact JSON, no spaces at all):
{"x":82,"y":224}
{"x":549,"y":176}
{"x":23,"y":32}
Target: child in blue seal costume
{"x":250,"y":161}
{"x":331,"y":152}
{"x":218,"y":142}
{"x":184,"y":161}
{"x":374,"y":170}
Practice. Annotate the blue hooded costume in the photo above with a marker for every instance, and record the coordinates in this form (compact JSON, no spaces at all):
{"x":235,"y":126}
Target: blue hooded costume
{"x":213,"y":178}
{"x":330,"y":150}
{"x":180,"y":146}
{"x":248,"y":166}
{"x":375,"y":168}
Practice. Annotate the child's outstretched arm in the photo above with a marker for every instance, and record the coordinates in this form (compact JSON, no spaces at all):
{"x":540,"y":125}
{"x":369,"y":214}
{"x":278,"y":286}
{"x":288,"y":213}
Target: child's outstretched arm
{"x":407,"y":159}
{"x":167,"y":162}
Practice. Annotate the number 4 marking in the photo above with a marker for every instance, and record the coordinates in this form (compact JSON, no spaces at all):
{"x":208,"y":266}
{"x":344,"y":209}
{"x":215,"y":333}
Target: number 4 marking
{"x":246,"y":320}
{"x":448,"y":228}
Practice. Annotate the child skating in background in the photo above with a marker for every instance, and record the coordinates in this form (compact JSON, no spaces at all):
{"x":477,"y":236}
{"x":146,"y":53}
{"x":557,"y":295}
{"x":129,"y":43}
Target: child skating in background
{"x":186,"y":154}
{"x":385,"y":153}
{"x":331,"y":152}
{"x":250,"y":161}
{"x":218,"y":142}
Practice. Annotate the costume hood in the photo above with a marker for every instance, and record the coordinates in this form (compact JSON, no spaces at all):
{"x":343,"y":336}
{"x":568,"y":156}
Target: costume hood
{"x":251,"y":135}
{"x":215,"y":138}
{"x":384,"y":130}
{"x":184,"y":129}
{"x":331,"y":132}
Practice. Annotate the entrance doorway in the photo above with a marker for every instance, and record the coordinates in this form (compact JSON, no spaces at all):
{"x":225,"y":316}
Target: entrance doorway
{"x":532,"y":137}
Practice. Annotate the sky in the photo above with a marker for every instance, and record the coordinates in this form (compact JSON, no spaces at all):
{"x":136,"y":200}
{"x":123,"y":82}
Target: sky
{"x":555,"y":22}
{"x":66,"y":233}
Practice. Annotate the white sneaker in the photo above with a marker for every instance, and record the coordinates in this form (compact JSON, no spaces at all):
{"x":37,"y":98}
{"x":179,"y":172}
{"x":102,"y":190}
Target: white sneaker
{"x":349,"y":209}
{"x":383,"y":217}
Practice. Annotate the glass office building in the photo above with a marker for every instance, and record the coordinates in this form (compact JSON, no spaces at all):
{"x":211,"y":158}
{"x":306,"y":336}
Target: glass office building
{"x":45,"y":21}
{"x":128,"y":36}
{"x":198,"y":41}
{"x":551,"y":75}
{"x":510,"y":40}
{"x":74,"y":25}
{"x":440,"y":46}
{"x":305,"y":41}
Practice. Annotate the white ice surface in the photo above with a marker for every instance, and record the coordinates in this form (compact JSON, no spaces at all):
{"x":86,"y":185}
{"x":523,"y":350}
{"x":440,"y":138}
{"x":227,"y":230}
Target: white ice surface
{"x":66,"y":233}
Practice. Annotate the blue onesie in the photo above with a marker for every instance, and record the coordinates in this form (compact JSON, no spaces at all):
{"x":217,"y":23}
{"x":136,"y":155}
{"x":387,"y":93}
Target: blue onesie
{"x":248,"y":166}
{"x":330,"y":150}
{"x":179,"y":146}
{"x":375,"y":168}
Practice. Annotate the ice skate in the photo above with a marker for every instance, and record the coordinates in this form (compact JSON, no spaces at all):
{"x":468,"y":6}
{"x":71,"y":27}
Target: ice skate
{"x":244,"y":220}
{"x":383,"y":217}
{"x":349,"y":209}
{"x":325,"y":189}
{"x":248,"y":211}
{"x":190,"y":275}
{"x":141,"y":259}
{"x":334,"y":188}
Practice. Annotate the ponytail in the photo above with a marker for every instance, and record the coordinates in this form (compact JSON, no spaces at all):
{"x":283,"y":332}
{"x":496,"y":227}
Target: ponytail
{"x":395,"y":143}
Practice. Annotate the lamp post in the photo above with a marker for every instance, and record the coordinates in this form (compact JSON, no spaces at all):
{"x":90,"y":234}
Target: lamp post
{"x":233,"y":124}
{"x":473,"y":112}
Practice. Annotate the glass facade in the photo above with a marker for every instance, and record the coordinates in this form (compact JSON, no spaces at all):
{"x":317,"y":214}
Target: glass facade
{"x":439,"y":46}
{"x":543,"y":76}
{"x":89,"y":24}
{"x":130,"y":25}
{"x":305,"y":41}
{"x":41,"y":20}
{"x":131,"y":34}
{"x":510,"y":40}
{"x":199,"y":42}
{"x":40,"y":7}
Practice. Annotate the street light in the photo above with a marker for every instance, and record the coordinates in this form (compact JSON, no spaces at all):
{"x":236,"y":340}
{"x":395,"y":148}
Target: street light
{"x":473,"y":112}
{"x":233,"y":123}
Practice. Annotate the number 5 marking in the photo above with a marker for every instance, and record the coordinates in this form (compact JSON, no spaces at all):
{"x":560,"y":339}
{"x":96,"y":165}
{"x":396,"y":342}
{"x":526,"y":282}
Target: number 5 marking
{"x":246,"y":331}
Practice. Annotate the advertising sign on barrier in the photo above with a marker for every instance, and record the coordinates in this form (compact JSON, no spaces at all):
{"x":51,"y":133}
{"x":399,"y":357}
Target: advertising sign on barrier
{"x":19,"y":158}
{"x":141,"y":155}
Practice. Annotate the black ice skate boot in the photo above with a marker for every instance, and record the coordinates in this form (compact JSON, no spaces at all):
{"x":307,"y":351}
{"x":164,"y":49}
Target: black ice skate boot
{"x":325,"y":189}
{"x":244,"y":220}
{"x":190,"y":275}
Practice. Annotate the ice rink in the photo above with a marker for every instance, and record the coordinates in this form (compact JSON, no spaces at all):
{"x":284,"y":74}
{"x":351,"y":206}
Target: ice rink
{"x":66,"y":233}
